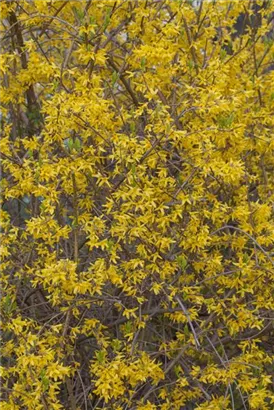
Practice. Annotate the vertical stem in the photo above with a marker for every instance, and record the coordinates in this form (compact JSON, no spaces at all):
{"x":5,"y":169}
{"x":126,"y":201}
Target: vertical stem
{"x":32,"y":104}
{"x":68,"y":381}
{"x":75,"y":210}
{"x":190,"y":42}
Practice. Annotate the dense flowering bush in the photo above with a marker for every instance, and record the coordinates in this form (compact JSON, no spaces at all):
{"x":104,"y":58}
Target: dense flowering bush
{"x":137,"y":204}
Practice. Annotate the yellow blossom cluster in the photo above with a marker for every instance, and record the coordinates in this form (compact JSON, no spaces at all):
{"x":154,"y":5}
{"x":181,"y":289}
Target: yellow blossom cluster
{"x":137,"y":204}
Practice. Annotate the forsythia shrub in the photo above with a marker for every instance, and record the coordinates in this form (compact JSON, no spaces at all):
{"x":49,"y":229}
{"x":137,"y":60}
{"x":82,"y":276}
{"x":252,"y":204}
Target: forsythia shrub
{"x":137,"y":200}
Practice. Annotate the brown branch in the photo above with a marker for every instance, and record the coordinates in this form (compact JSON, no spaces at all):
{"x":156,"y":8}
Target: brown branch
{"x":190,"y":42}
{"x":124,"y":81}
{"x":46,"y":26}
{"x":17,"y":32}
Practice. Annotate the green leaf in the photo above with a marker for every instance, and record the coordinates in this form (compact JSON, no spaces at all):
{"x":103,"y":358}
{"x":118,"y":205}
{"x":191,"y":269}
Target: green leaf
{"x":225,"y":121}
{"x":79,"y":13}
{"x":245,"y":257}
{"x":143,"y":62}
{"x":116,"y":345}
{"x":115,"y":77}
{"x":9,"y":305}
{"x":182,"y":262}
{"x":44,"y":379}
{"x":30,"y":153}
{"x":186,"y":330}
{"x":177,"y":370}
{"x":107,"y":18}
{"x":190,"y":64}
{"x":223,"y":54}
{"x":132,"y":127}
{"x":128,"y":327}
{"x":110,"y":244}
{"x":77,"y":144}
{"x":133,"y":169}
{"x":100,"y":356}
